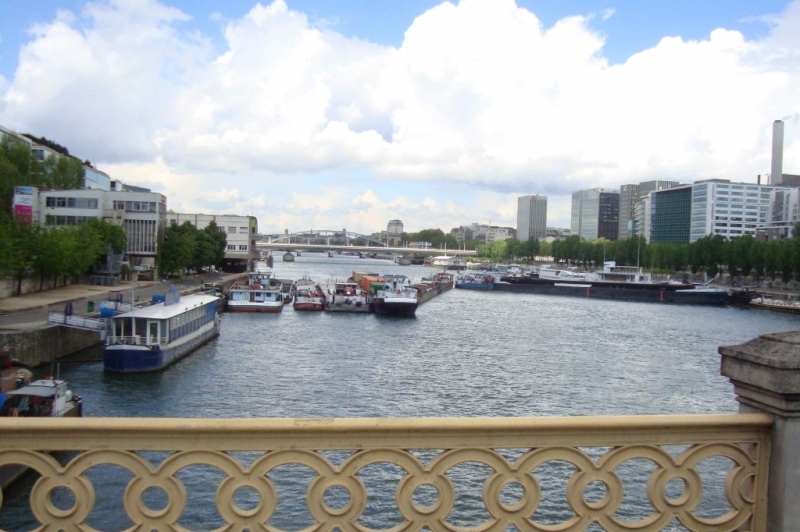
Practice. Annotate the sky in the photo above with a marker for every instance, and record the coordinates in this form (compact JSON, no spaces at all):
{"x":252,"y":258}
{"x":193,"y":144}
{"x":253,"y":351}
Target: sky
{"x":346,"y":114}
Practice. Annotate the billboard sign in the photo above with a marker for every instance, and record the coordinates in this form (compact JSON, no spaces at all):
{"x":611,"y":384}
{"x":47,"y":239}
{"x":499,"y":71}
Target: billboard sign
{"x":23,"y":203}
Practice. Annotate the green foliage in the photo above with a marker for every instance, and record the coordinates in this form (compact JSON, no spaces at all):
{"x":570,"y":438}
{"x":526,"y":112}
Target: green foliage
{"x":62,"y":173}
{"x":187,"y":247}
{"x":109,"y":234}
{"x":436,"y":237}
{"x":19,"y":168}
{"x":52,"y":251}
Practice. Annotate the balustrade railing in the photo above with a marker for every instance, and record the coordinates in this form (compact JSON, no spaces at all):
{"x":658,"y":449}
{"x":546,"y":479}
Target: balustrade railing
{"x":136,"y":340}
{"x":509,"y":463}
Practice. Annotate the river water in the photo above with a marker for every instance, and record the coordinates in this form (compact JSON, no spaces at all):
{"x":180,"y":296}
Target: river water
{"x":467,"y":353}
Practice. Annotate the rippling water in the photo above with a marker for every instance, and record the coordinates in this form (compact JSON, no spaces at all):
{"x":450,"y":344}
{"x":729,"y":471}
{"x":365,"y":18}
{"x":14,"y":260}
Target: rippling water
{"x":467,"y":353}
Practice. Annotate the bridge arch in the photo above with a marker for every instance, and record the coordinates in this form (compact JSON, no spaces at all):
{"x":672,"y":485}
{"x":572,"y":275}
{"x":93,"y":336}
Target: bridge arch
{"x":326,"y":237}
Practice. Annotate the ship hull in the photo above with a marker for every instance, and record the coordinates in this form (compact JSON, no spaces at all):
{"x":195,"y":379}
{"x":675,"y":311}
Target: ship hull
{"x":654,"y":293}
{"x":308,"y":305}
{"x":236,"y":306}
{"x":141,"y":359}
{"x":383,"y":307}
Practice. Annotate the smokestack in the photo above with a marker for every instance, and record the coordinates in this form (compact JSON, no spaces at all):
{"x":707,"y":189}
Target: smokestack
{"x":776,"y":174}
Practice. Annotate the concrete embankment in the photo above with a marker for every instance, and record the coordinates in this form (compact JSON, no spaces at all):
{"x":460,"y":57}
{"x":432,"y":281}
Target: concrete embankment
{"x":39,"y":343}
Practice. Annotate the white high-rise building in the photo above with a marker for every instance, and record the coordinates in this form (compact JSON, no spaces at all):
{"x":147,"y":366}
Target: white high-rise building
{"x":728,"y":209}
{"x":531,"y":217}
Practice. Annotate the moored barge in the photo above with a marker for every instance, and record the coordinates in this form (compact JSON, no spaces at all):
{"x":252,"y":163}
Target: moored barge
{"x":152,"y":338}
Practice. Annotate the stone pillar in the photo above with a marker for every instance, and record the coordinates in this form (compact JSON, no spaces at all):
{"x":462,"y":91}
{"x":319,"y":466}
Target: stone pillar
{"x":765,"y":373}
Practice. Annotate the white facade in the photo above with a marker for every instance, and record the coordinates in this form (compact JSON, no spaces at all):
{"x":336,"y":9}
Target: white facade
{"x":141,"y":214}
{"x":728,"y":209}
{"x":641,"y":217}
{"x":239,"y":231}
{"x":531,"y":217}
{"x":783,"y":214}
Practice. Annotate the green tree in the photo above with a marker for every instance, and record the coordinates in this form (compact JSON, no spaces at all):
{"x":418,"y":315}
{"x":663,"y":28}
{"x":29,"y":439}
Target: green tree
{"x":62,"y":173}
{"x":219,"y":243}
{"x":19,"y":248}
{"x":177,"y":252}
{"x":109,"y":234}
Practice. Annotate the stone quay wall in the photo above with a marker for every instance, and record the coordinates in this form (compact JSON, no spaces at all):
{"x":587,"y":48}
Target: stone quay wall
{"x":40,"y":346}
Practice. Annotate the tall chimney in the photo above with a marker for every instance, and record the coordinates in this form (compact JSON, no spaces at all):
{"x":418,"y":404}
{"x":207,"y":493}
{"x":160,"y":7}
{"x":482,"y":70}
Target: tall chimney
{"x":776,"y":174}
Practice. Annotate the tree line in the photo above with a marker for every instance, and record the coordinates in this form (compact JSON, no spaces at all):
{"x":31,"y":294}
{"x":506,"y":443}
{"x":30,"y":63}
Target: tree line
{"x":18,"y":168}
{"x":185,"y":246}
{"x":57,"y":252}
{"x":743,"y":256}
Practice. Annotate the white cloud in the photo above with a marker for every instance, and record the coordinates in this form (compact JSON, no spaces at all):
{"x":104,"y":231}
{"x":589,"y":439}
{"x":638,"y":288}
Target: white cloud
{"x":480,"y":93}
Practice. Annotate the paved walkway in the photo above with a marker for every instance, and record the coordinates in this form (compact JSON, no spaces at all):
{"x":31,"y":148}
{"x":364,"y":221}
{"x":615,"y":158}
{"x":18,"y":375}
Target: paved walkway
{"x":30,"y":311}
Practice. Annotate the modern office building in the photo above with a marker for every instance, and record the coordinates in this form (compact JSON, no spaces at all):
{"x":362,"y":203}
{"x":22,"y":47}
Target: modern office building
{"x":239,"y":231}
{"x":670,"y":215}
{"x":728,"y":209}
{"x":782,"y":215}
{"x":595,"y":213}
{"x":531,"y":217}
{"x":629,"y":195}
{"x":142,"y":214}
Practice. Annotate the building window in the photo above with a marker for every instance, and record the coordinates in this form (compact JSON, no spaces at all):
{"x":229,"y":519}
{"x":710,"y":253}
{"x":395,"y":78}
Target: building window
{"x":221,"y":228}
{"x":243,"y":230}
{"x":231,"y":247}
{"x":243,"y":247}
{"x":231,"y":229}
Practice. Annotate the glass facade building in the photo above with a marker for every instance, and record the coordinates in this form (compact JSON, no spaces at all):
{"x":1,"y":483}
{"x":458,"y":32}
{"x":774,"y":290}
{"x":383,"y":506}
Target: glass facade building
{"x":670,"y":215}
{"x":595,"y":213}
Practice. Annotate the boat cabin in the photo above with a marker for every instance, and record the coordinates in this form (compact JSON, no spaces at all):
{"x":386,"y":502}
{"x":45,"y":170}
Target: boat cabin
{"x":255,"y":293}
{"x":621,"y":274}
{"x":43,"y":398}
{"x":163,"y":323}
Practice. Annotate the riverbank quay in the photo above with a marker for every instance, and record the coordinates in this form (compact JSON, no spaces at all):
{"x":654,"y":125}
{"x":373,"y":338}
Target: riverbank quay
{"x":758,"y":465}
{"x":26,"y":335}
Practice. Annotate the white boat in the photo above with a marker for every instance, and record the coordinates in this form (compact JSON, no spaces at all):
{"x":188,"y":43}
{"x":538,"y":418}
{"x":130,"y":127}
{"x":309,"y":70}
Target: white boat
{"x":43,"y":398}
{"x":347,"y":297}
{"x":152,"y":338}
{"x":442,"y":261}
{"x":395,"y":299}
{"x":546,"y":272}
{"x":262,"y":293}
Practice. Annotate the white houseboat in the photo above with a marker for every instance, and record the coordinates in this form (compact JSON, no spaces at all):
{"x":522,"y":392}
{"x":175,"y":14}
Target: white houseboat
{"x":152,"y":338}
{"x":262,"y":293}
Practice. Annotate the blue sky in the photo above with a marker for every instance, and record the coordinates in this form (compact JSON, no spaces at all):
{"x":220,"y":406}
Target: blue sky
{"x":250,"y":109}
{"x":633,"y":26}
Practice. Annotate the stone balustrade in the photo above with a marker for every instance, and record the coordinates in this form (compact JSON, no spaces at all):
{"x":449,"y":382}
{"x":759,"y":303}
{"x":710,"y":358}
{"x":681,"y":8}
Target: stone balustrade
{"x":756,"y":452}
{"x":515,"y":451}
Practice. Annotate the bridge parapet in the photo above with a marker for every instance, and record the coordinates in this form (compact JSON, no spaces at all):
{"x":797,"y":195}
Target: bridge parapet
{"x":408,"y":473}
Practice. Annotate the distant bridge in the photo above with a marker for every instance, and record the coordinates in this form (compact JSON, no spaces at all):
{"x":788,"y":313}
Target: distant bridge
{"x":343,"y":240}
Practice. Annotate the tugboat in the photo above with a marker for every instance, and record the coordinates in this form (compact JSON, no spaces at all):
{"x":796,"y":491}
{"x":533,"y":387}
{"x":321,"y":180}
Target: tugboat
{"x":43,"y":398}
{"x":395,"y":299}
{"x":308,"y":295}
{"x":347,"y":297}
